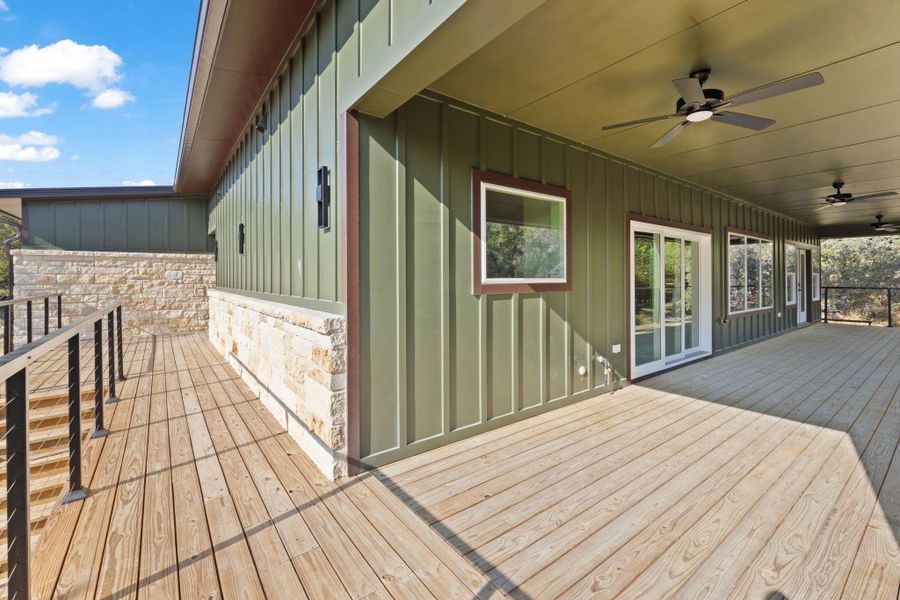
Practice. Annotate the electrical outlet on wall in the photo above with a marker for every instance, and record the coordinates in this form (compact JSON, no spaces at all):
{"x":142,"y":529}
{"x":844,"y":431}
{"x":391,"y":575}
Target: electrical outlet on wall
{"x":616,"y":348}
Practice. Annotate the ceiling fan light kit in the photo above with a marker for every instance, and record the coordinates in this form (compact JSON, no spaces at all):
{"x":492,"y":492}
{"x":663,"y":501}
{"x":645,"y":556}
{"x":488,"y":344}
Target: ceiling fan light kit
{"x":839,"y":198}
{"x":883,"y":227}
{"x":698,"y":104}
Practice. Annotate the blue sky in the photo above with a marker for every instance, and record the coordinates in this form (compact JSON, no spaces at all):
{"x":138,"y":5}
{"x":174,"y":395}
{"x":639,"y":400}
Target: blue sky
{"x":92,"y":91}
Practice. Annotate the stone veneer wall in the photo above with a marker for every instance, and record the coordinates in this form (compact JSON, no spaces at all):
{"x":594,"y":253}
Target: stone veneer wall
{"x":295,"y":360}
{"x":161,"y":292}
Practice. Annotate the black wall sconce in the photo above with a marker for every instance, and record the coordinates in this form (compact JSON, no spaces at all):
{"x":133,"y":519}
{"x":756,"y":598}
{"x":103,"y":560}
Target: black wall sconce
{"x":323,"y":199}
{"x":241,"y":238}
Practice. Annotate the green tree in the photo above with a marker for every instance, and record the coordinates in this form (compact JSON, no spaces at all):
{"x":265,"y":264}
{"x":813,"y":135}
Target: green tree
{"x":862,"y":262}
{"x":6,"y":232}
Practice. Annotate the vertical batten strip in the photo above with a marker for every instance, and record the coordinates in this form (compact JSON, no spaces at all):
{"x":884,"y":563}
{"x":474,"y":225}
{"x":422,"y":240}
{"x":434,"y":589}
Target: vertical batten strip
{"x":402,"y":290}
{"x":447,"y":396}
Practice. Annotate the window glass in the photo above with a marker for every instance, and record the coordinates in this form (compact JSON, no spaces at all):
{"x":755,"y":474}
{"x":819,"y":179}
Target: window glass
{"x":750,"y":268}
{"x":525,"y":237}
{"x":766,"y":272}
{"x":737,"y":273}
{"x":816,"y":274}
{"x":753,"y":291}
{"x":790,"y":270}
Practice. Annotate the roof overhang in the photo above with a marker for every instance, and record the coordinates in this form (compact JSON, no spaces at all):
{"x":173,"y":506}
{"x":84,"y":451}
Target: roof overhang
{"x":82,"y":193}
{"x":238,"y":49}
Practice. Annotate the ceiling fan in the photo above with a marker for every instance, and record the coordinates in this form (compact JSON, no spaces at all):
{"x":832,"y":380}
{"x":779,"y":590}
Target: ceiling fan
{"x":883,"y":227}
{"x":698,"y":104}
{"x":839,"y":198}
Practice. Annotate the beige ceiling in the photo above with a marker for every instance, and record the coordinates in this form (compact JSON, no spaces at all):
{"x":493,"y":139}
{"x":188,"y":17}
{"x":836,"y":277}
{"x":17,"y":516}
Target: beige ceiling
{"x":572,"y":66}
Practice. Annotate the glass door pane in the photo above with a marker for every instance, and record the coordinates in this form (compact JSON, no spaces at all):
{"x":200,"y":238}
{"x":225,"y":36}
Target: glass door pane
{"x":691,"y":295}
{"x":647,"y":315}
{"x":673,"y":296}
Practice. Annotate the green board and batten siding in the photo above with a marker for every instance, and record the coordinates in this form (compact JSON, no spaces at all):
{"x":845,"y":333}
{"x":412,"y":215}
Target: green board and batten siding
{"x":269,"y":182}
{"x":129,"y":225}
{"x":437,"y":362}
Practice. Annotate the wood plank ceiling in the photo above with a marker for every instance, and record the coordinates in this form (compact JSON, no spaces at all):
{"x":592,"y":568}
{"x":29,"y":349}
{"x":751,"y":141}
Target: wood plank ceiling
{"x":573,"y":66}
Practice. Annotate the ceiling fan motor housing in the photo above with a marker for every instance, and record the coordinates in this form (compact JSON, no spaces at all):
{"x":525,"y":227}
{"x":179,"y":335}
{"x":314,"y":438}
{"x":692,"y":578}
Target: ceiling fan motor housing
{"x":713,"y":97}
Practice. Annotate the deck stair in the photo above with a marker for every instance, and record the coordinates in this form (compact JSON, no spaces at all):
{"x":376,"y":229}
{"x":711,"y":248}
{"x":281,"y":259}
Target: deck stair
{"x":49,"y":459}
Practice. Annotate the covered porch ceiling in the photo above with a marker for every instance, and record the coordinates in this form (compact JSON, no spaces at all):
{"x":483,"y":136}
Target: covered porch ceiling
{"x":572,"y":66}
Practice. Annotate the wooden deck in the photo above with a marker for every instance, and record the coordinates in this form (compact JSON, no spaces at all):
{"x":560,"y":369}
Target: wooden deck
{"x":199,"y":493}
{"x":768,"y":473}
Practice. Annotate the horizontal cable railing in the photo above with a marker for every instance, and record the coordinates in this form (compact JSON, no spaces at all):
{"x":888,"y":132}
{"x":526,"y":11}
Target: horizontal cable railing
{"x":14,"y":371}
{"x":9,"y":316}
{"x":858,"y":304}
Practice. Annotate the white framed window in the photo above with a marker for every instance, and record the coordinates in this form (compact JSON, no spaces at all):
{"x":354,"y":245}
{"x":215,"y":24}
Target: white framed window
{"x":790,"y":275}
{"x":521,"y":235}
{"x":816,"y":275}
{"x":750,"y":273}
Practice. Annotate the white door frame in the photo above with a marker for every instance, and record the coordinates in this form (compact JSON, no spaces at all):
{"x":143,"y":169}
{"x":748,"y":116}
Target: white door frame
{"x":703,"y":308}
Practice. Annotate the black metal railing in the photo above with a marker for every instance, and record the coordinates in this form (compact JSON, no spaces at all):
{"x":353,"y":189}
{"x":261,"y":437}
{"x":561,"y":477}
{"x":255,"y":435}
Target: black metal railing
{"x":9,"y":317}
{"x":853,"y":304}
{"x":14,"y":368}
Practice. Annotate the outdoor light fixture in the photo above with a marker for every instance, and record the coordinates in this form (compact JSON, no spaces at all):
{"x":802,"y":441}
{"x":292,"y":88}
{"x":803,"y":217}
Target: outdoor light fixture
{"x":699,"y":115}
{"x":241,"y":238}
{"x":323,"y":199}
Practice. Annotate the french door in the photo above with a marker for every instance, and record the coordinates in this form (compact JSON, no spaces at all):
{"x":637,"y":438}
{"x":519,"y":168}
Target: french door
{"x":671,"y":308}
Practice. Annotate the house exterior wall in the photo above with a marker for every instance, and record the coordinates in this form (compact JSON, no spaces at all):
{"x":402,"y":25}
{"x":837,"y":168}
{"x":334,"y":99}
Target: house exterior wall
{"x":107,"y":224}
{"x":439,"y":363}
{"x":294,"y":359}
{"x":161,"y":292}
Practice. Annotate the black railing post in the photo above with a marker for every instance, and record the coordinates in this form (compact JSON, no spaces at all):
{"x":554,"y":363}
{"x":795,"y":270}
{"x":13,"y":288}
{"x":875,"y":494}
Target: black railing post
{"x":890,"y":308}
{"x":59,"y":311}
{"x":826,"y":305}
{"x":121,"y":363}
{"x":28,"y":316}
{"x":76,"y":489}
{"x":7,"y":328}
{"x":47,"y":315}
{"x":100,"y":430}
{"x":111,"y":345}
{"x":17,"y":497}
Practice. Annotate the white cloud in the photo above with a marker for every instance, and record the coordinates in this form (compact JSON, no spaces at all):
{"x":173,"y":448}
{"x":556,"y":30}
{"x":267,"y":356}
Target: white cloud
{"x":75,"y":157}
{"x":142,"y":182}
{"x":91,"y":68}
{"x":12,"y":185}
{"x":21,"y":105}
{"x":32,"y":138}
{"x":3,"y":6}
{"x":18,"y":152}
{"x":34,"y":146}
{"x":112,"y":98}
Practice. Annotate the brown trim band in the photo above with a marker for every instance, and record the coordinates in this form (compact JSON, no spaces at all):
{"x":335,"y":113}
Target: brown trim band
{"x":629,"y":217}
{"x":350,"y":277}
{"x":527,"y":185}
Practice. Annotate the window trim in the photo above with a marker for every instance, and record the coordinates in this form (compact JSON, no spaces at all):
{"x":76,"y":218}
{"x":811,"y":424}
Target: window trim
{"x":483,"y":180}
{"x":790,"y":286}
{"x":759,"y":237}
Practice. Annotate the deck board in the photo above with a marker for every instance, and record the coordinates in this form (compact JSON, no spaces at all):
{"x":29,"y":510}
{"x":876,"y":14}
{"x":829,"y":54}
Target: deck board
{"x":774,"y":468}
{"x":763,"y":471}
{"x":199,"y":493}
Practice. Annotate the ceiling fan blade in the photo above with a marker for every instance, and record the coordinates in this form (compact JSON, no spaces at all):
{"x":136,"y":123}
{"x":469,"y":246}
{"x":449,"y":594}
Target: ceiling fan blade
{"x":742,"y":120}
{"x":690,"y":90}
{"x":873,"y":196}
{"x":639,"y":121}
{"x":670,"y":134}
{"x":777,"y":89}
{"x":822,"y":208}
